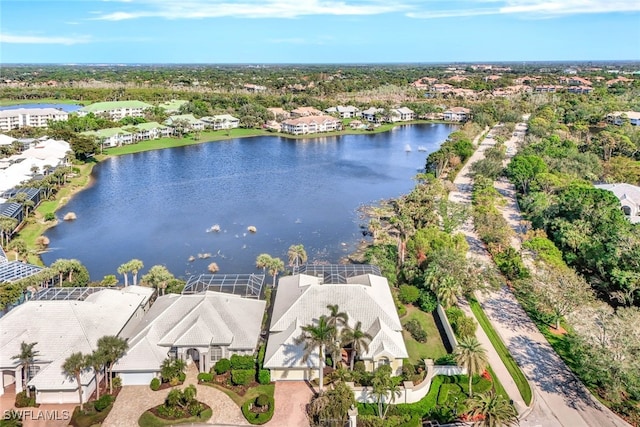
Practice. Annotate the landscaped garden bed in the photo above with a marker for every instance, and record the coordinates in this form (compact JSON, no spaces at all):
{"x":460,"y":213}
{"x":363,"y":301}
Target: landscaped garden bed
{"x":179,"y":407}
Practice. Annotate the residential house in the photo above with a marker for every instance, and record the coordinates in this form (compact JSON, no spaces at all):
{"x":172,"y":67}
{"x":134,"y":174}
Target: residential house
{"x":441,"y":88}
{"x":116,"y":110}
{"x":186,"y":122}
{"x":618,"y":117}
{"x":173,"y":106}
{"x":201,"y":328}
{"x":30,"y":117}
{"x":279,"y":113}
{"x":302,"y":298}
{"x":311,"y":124}
{"x":221,"y":121}
{"x":65,"y":327}
{"x":619,"y":80}
{"x":344,"y":112}
{"x":12,"y":210}
{"x":457,"y":114}
{"x":546,"y":88}
{"x":402,"y":114}
{"x":305,"y":112}
{"x":580,"y":89}
{"x":254,"y":88}
{"x":150,"y":130}
{"x":629,"y":196}
{"x":373,"y":114}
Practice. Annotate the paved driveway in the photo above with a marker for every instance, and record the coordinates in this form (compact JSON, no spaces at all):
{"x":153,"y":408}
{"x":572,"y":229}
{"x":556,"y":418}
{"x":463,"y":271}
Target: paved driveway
{"x":291,"y":399}
{"x":134,"y":400}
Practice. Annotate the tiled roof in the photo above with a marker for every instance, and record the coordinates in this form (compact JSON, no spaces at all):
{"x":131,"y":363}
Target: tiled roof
{"x":114,"y":105}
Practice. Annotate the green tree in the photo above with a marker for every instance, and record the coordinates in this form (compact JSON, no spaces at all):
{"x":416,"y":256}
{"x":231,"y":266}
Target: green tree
{"x":338,"y":321}
{"x":96,"y":361}
{"x":263,"y":261}
{"x":112,"y":348}
{"x":358,"y":339}
{"x":135,"y":265}
{"x":473,"y":357}
{"x":523,"y":169}
{"x":562,"y":292}
{"x":492,"y":410}
{"x":297,"y":255}
{"x":26,"y":358}
{"x":73,"y":367}
{"x":158,"y":277}
{"x":316,"y":337}
{"x":332,"y":406}
{"x":384,"y":389}
{"x":7,"y":225}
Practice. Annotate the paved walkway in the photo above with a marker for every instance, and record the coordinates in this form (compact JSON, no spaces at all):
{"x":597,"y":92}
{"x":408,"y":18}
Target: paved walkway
{"x":559,"y":398}
{"x":132,"y":401}
{"x":291,"y":399}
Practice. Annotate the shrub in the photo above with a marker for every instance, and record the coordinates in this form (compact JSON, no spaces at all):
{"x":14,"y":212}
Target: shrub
{"x":22,"y":401}
{"x":205,"y":377}
{"x":408,"y":294}
{"x":427,"y":301}
{"x":174,"y":381}
{"x":258,"y":417}
{"x":264,"y":376}
{"x":49,"y":216}
{"x":509,"y":262}
{"x":104,"y":401}
{"x":262,"y":349}
{"x":155,"y":384}
{"x":465,"y":327}
{"x":182,"y":376}
{"x":453,"y":314}
{"x":415,"y":329}
{"x":359,"y":366}
{"x":242,"y":376}
{"x":447,"y":359}
{"x":262,"y":400}
{"x":222,"y":366}
{"x":116,"y":382}
{"x":242,"y":362}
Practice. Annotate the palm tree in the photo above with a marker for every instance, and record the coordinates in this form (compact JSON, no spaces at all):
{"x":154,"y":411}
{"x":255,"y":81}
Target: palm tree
{"x":135,"y":265}
{"x":472,"y":356}
{"x":158,"y":277}
{"x":384,"y":389}
{"x":113,"y":348}
{"x":297,"y":255}
{"x":19,"y":246}
{"x":447,"y":291}
{"x":263,"y":261}
{"x":275,"y":266}
{"x":359,"y":341}
{"x":124,"y":269}
{"x":73,"y":367}
{"x":492,"y":410}
{"x":7,"y":225}
{"x":336,"y":320}
{"x":25,"y":357}
{"x":316,"y":337}
{"x":96,"y":362}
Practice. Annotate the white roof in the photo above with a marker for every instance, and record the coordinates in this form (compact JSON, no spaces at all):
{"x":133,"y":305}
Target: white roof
{"x":629,"y":195}
{"x":404,"y":110}
{"x":63,"y":327}
{"x":372,"y":111}
{"x":199,"y":320}
{"x":48,"y":149}
{"x":32,"y":111}
{"x":301,"y":300}
{"x":6,"y":139}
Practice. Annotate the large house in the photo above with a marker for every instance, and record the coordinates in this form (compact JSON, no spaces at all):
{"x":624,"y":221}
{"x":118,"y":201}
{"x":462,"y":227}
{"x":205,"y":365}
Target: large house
{"x":116,"y":110}
{"x":30,"y":117}
{"x":311,"y":124}
{"x":305,"y":112}
{"x":221,"y":121}
{"x":457,"y":114}
{"x":344,"y":112}
{"x":301,"y":299}
{"x":629,"y":196}
{"x":279,"y":113}
{"x":402,"y":114}
{"x":373,"y":114}
{"x":63,"y":327}
{"x":202,"y":328}
{"x":114,"y":137}
{"x":618,"y":117}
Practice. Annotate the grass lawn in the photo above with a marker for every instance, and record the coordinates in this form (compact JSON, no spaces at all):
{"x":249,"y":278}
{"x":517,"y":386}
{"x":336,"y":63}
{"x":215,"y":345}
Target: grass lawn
{"x":89,"y":417}
{"x":507,"y":359}
{"x":252,"y":393}
{"x":7,"y":102}
{"x":434,"y":347}
{"x":149,"y":420}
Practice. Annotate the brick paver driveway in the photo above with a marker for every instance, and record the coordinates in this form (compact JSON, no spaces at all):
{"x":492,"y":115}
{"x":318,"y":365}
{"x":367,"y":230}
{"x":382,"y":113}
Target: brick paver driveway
{"x":291,"y":399}
{"x":134,"y":400}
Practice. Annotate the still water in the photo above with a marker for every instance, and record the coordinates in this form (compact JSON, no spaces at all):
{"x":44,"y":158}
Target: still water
{"x":69,"y":108}
{"x":157,"y":206}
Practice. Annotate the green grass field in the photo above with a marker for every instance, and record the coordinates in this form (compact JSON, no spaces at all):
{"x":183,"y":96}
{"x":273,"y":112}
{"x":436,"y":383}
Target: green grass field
{"x":503,"y":352}
{"x":434,"y":347}
{"x":7,"y":102}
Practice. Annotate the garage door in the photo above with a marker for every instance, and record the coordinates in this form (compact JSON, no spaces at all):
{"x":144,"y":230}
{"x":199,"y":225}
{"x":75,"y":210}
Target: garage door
{"x":136,"y":378}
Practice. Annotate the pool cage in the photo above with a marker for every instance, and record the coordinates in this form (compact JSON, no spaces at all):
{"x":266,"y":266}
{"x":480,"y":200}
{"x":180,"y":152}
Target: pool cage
{"x":337,"y":273}
{"x":246,"y":285}
{"x":66,"y":294}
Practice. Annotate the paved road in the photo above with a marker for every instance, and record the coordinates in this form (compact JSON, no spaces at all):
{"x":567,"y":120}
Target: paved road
{"x":559,"y":398}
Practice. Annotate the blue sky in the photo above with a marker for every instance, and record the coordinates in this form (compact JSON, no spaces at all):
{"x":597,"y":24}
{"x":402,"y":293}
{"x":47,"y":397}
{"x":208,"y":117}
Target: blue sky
{"x":317,"y":31}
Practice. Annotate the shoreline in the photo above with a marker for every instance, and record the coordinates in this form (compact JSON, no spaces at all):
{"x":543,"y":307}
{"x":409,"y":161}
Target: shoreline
{"x":34,"y":229}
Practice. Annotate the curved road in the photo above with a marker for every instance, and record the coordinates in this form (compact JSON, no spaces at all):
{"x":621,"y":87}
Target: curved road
{"x":560,"y":399}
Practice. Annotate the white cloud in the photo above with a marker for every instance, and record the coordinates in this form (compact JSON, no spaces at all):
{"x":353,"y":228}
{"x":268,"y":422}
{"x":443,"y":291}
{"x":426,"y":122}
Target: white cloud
{"x":531,"y":8}
{"x":195,"y":9}
{"x":70,"y":40}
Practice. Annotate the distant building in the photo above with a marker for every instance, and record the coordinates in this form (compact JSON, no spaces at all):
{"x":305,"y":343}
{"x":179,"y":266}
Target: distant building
{"x":402,"y":114}
{"x":221,"y":121}
{"x":311,"y":124}
{"x":30,"y":117}
{"x":186,"y":121}
{"x":580,"y":89}
{"x":629,"y":196}
{"x":618,"y":117}
{"x":116,"y":110}
{"x":279,"y":113}
{"x":457,"y":114}
{"x":344,"y":112}
{"x":305,"y":112}
{"x":254,"y":88}
{"x":173,"y":106}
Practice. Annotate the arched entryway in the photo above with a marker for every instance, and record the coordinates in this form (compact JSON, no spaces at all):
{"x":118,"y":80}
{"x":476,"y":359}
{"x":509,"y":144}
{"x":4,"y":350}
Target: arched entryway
{"x":194,"y":355}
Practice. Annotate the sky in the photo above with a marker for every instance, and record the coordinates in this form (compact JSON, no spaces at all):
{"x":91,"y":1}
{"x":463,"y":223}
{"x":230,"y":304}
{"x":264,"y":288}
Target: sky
{"x":317,"y":31}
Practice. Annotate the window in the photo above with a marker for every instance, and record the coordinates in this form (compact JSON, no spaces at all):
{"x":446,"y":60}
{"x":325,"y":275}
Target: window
{"x":216,"y":353}
{"x":173,"y":353}
{"x":383,"y":361}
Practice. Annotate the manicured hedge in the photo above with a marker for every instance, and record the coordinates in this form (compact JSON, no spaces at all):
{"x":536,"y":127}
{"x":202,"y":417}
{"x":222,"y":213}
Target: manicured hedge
{"x":242,"y":362}
{"x":205,"y":377}
{"x":264,"y":376}
{"x":242,"y":376}
{"x":102,"y":403}
{"x":155,"y":384}
{"x":222,"y":366}
{"x":258,"y":418}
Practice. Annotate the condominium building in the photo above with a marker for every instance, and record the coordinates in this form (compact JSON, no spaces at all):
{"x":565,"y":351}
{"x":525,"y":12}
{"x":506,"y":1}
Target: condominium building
{"x":116,"y":110}
{"x":30,"y":117}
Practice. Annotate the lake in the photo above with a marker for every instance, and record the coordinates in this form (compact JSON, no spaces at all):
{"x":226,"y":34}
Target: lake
{"x":158,"y":205}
